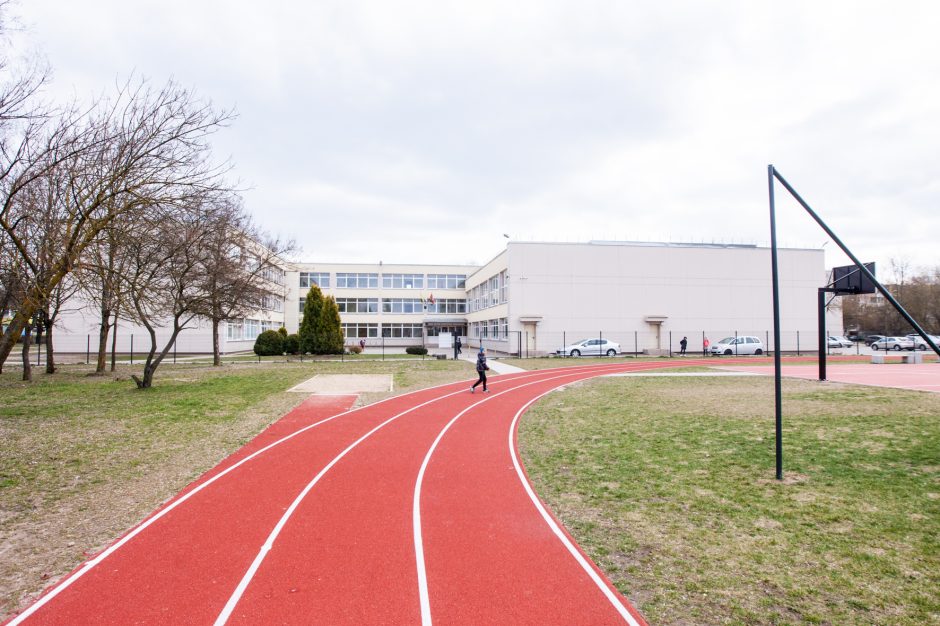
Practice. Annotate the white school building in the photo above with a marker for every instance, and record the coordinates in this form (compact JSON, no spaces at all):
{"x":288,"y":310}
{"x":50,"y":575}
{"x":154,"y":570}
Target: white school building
{"x":533,"y":298}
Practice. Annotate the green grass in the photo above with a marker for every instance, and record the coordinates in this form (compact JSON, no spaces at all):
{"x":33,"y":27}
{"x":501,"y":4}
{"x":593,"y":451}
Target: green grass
{"x":669,"y":484}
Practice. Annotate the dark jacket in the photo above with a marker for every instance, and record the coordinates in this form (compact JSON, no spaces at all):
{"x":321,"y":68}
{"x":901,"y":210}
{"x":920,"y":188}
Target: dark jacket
{"x":481,"y":362}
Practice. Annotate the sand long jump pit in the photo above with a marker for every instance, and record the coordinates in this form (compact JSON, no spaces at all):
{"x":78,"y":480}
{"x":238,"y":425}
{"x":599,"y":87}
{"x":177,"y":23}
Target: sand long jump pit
{"x":344,"y":384}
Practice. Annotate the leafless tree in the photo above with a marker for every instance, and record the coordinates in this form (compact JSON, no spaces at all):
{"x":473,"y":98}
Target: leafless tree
{"x":166,"y":274}
{"x":242,"y":269}
{"x":140,"y":149}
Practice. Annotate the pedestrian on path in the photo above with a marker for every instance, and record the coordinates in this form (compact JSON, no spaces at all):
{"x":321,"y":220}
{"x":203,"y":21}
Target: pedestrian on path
{"x":682,"y":345}
{"x":705,"y":344}
{"x":481,"y":371}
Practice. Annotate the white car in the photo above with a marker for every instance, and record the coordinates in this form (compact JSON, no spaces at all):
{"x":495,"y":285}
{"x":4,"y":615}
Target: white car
{"x":742,"y":344}
{"x":919,"y":342}
{"x":590,"y":347}
{"x":840,"y":342}
{"x":893,"y":343}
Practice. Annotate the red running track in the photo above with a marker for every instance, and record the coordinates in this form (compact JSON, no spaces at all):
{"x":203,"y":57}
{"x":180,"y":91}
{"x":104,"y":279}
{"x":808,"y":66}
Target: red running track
{"x":410,"y":510}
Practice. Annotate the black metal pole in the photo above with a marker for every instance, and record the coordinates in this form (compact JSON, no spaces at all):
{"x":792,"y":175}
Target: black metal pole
{"x":861,"y":266}
{"x":132,"y":348}
{"x":778,"y":400}
{"x":823,"y":340}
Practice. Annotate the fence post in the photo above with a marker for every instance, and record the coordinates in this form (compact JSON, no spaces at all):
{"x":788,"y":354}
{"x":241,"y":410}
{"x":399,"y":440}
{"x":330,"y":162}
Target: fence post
{"x":87,"y":348}
{"x":767,"y":340}
{"x":670,"y":344}
{"x":132,"y":348}
{"x":174,"y":352}
{"x":797,"y":343}
{"x":383,"y":347}
{"x":600,"y":337}
{"x":636,"y":346}
{"x":564,"y":342}
{"x":735,"y":343}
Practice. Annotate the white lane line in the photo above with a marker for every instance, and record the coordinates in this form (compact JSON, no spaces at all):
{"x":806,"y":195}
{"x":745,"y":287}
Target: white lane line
{"x":575,"y":552}
{"x":269,"y":542}
{"x":19,"y":619}
{"x":423,"y":594}
{"x":146,"y":523}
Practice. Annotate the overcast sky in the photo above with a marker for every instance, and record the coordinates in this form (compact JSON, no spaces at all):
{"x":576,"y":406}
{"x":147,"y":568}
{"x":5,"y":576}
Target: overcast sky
{"x":423,"y":131}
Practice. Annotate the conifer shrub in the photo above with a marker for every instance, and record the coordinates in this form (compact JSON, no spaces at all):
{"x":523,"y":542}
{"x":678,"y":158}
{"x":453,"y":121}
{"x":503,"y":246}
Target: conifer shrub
{"x":269,"y":343}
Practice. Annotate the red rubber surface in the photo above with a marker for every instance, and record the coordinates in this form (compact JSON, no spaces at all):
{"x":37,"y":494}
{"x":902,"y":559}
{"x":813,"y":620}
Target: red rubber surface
{"x":345,"y":552}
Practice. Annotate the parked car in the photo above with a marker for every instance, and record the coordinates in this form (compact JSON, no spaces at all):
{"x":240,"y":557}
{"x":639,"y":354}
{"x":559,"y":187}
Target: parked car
{"x":840,"y":342}
{"x":590,"y":347}
{"x":870,"y":339}
{"x":893,"y":343}
{"x":742,"y":344}
{"x":919,"y":342}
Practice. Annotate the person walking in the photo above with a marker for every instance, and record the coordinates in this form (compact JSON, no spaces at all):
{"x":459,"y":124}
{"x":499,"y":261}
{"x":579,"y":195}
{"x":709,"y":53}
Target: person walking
{"x":459,"y":345}
{"x":705,"y":344}
{"x":682,"y":345}
{"x":481,"y":371}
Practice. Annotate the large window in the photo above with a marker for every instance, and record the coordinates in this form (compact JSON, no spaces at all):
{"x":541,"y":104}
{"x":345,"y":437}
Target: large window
{"x":403,"y":281}
{"x":448,"y":305}
{"x":358,"y":305}
{"x":447,"y":281}
{"x":402,"y":330}
{"x":234,"y":332}
{"x":272,"y":303}
{"x":503,"y":327}
{"x":252,"y":329}
{"x":360,"y":330}
{"x":320,"y":279}
{"x":402,"y":305}
{"x":357,"y":281}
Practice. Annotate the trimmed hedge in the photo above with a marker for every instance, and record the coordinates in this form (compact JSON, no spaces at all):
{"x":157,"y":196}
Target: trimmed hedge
{"x":269,"y":343}
{"x":416,"y":350}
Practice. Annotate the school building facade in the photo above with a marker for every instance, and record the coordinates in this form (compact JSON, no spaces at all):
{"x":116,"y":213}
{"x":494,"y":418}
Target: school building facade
{"x":536,"y":297}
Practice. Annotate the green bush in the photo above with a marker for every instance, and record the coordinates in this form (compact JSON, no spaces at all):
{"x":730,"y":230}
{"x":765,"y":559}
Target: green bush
{"x":292,"y":344}
{"x":282,"y":332}
{"x":416,"y":350}
{"x":269,"y":343}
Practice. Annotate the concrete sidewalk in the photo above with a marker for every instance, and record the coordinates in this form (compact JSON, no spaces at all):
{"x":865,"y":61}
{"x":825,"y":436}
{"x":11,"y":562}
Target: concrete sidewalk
{"x":495,"y":365}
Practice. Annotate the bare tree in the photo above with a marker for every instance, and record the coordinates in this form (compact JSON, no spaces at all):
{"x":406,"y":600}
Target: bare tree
{"x":166,"y":275}
{"x":242,"y":269}
{"x":141,"y":149}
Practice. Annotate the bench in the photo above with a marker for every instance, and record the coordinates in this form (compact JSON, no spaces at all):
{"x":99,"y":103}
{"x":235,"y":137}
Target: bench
{"x":911,"y":357}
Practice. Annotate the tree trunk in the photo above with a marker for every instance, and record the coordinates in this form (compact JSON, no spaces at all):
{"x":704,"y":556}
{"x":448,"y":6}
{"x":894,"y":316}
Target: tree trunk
{"x":50,"y":355}
{"x":14,"y":330}
{"x":114,"y":341}
{"x":103,"y":329}
{"x":216,"y":355}
{"x":27,"y":368}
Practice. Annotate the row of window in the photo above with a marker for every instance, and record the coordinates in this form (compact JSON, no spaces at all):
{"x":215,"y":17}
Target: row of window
{"x":493,"y":291}
{"x":347,"y":280}
{"x":396,"y":305}
{"x":247,"y":329}
{"x":490,"y":329}
{"x":387,"y":330}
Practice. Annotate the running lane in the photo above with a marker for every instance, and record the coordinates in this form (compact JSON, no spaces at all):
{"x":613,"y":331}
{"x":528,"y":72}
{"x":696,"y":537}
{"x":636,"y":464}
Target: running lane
{"x":409,"y":510}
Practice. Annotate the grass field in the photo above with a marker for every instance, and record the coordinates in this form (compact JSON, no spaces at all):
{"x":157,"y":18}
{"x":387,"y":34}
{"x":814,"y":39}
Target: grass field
{"x":669,"y":484}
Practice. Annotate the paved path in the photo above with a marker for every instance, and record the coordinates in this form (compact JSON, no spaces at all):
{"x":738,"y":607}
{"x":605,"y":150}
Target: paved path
{"x":919,"y":377}
{"x":412,"y":510}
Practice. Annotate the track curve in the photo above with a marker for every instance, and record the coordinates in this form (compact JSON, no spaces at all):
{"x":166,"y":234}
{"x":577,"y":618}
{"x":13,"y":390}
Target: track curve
{"x":410,"y":510}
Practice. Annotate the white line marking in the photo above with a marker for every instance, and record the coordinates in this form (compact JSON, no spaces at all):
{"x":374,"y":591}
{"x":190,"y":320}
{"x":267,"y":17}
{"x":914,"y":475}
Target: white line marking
{"x":611,"y":596}
{"x":423,"y":594}
{"x":16,"y":621}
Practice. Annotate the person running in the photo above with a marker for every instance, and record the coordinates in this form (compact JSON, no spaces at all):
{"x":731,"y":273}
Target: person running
{"x":481,"y":370}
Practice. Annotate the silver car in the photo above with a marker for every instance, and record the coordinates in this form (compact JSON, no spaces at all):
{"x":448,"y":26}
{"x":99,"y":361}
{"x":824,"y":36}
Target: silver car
{"x":893,"y":343}
{"x":590,"y":347}
{"x":840,"y":342}
{"x":742,"y":344}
